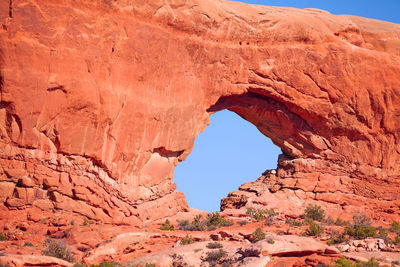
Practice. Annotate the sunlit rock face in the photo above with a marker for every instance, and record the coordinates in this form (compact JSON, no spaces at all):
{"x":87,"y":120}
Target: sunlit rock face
{"x":100,"y":100}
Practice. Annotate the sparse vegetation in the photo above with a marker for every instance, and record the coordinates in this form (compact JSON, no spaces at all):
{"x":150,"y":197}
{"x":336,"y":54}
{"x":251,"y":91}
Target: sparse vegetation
{"x":361,"y":228}
{"x":79,"y":265}
{"x":342,"y":262}
{"x":59,"y":250}
{"x":340,"y":222}
{"x":249,"y":252}
{"x":395,"y":227}
{"x":314,"y":212}
{"x":243,"y":222}
{"x":212,"y":222}
{"x":150,"y":265}
{"x":257,"y":235}
{"x":396,"y":240}
{"x":271,"y":241}
{"x":3,"y":237}
{"x":314,"y":229}
{"x":72,"y":222}
{"x":259,"y":214}
{"x":215,"y":219}
{"x":214,"y":245}
{"x":28,"y":244}
{"x":294,"y":222}
{"x":188,"y":239}
{"x":215,"y":256}
{"x":4,"y":265}
{"x":336,"y":240}
{"x":167,"y":226}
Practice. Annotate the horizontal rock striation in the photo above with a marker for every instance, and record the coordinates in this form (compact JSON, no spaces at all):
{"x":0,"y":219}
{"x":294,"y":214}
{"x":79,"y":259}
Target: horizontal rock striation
{"x":100,"y":100}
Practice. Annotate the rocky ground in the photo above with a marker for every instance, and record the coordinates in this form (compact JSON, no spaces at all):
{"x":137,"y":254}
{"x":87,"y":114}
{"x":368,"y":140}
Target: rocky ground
{"x":282,"y":241}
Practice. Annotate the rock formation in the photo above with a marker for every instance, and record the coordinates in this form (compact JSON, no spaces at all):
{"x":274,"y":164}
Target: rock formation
{"x":100,"y":100}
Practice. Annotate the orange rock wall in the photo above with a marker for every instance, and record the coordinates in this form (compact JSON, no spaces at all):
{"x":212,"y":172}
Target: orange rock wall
{"x":100,"y":100}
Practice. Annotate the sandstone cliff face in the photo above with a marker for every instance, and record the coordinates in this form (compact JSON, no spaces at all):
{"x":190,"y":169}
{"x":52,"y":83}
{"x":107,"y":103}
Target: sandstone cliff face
{"x":100,"y":100}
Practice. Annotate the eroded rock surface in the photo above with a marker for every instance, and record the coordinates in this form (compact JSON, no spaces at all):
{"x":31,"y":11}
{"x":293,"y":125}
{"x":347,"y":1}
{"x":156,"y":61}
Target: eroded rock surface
{"x":100,"y":100}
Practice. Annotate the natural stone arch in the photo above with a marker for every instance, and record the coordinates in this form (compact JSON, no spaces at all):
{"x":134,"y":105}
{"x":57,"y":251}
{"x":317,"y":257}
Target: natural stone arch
{"x":111,"y":114}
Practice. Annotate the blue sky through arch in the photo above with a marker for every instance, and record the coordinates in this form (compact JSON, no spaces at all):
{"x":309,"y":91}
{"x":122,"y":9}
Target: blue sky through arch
{"x":229,"y":152}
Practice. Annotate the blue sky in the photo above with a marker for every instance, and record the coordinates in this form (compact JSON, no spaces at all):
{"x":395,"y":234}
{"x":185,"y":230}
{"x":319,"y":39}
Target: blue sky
{"x":231,"y":151}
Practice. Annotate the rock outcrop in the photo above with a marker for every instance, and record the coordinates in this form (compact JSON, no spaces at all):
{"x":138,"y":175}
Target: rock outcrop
{"x":100,"y":100}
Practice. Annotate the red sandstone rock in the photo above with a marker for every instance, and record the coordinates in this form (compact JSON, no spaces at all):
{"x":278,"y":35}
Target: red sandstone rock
{"x":101,"y":100}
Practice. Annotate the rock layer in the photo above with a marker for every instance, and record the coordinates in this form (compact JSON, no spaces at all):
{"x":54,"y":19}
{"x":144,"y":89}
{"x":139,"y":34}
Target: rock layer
{"x":100,"y":100}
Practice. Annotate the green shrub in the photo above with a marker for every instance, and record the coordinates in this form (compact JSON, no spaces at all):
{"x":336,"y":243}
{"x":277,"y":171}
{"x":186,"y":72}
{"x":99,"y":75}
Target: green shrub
{"x":257,"y":235}
{"x":271,"y":241}
{"x":370,"y":263}
{"x":59,"y":250}
{"x":340,"y":222}
{"x":342,"y":262}
{"x":110,"y":264}
{"x":28,"y":244}
{"x":213,"y":245}
{"x":215,"y":219}
{"x":167,"y":226}
{"x":241,"y":223}
{"x":188,"y":239}
{"x":396,"y":240}
{"x":185,"y":225}
{"x":360,"y":231}
{"x":294,"y":223}
{"x":395,"y":227}
{"x":256,"y":214}
{"x":215,"y":256}
{"x":212,"y":221}
{"x":314,"y":229}
{"x":3,"y":237}
{"x":150,"y":265}
{"x":314,"y":212}
{"x":336,"y":240}
{"x":361,"y":228}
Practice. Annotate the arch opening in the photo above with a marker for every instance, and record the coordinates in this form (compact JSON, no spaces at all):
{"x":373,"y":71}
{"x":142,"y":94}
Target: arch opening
{"x":229,"y":152}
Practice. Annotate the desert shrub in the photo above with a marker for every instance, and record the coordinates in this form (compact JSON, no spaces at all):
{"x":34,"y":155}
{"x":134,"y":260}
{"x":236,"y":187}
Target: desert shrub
{"x":395,"y":227}
{"x":212,"y":222}
{"x":257,"y":214}
{"x":340,"y":222}
{"x":294,"y":222}
{"x":383,"y":234}
{"x":360,"y":231}
{"x":249,"y":252}
{"x":241,"y":223}
{"x":394,"y":263}
{"x":167,"y":226}
{"x":314,"y":229}
{"x":109,"y":264}
{"x":342,"y":262}
{"x":396,"y":240}
{"x":336,"y":240}
{"x":59,"y":250}
{"x":215,"y":219}
{"x":257,"y":235}
{"x":361,"y":219}
{"x":150,"y":265}
{"x":28,"y":244}
{"x":3,"y":237}
{"x":271,"y":241}
{"x":370,"y":263}
{"x":79,"y":265}
{"x":72,"y":222}
{"x":188,"y":239}
{"x":215,"y":256}
{"x":185,"y":225}
{"x":314,"y":212}
{"x":213,"y":245}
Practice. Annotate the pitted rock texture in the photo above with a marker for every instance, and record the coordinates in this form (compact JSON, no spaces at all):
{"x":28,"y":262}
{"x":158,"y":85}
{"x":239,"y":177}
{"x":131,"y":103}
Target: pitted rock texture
{"x":100,"y":100}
